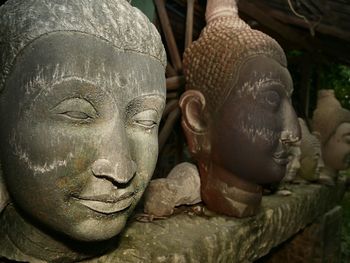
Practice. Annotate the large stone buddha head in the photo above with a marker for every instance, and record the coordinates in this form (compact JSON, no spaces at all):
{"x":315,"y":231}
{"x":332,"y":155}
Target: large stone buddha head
{"x":332,"y":122}
{"x":237,"y":113}
{"x":82,"y":93}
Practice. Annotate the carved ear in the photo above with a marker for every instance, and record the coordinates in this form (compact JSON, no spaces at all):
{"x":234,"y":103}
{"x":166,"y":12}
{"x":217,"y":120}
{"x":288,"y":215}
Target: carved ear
{"x":195,"y":123}
{"x":192,"y":104}
{"x":4,"y":197}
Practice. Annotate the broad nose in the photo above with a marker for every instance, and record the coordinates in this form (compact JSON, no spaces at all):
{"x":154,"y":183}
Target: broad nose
{"x":121,"y":172}
{"x":114,"y":160}
{"x":291,"y":128}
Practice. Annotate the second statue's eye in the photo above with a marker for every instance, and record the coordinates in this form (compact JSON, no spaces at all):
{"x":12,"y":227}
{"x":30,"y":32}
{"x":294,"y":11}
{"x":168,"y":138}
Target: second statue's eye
{"x":146,"y":123}
{"x":146,"y":119}
{"x":272,"y":98}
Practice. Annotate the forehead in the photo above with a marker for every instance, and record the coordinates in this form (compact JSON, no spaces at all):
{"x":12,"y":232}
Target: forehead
{"x":259,"y":70}
{"x":343,"y":129}
{"x":56,"y":57}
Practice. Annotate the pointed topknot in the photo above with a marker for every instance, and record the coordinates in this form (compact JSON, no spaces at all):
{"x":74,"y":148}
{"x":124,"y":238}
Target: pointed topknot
{"x":220,"y":8}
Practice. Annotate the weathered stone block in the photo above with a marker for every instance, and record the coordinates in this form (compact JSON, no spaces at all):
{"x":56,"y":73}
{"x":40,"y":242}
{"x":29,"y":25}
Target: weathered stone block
{"x":317,"y":243}
{"x":194,"y":239}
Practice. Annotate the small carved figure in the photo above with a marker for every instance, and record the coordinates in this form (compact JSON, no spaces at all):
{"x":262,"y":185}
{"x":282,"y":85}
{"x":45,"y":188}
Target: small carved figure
{"x":236,"y":111}
{"x":82,"y":93}
{"x":293,"y":165}
{"x":332,"y":122}
{"x":311,"y":162}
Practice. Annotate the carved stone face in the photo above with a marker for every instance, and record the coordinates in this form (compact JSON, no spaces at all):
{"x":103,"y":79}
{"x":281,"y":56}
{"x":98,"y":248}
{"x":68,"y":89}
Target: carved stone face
{"x":311,"y":154}
{"x":311,"y":166}
{"x":293,"y":165}
{"x":336,"y":151}
{"x":79,"y":133}
{"x":250,"y":133}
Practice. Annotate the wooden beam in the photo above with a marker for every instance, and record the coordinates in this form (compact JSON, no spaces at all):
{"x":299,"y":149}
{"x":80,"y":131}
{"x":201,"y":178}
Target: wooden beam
{"x":261,"y":14}
{"x":304,"y":92}
{"x":175,"y":83}
{"x":170,"y":106}
{"x":170,"y":71}
{"x":322,"y":28}
{"x":169,"y":35}
{"x":172,"y":95}
{"x":335,"y":49}
{"x":189,"y":23}
{"x":168,"y":127}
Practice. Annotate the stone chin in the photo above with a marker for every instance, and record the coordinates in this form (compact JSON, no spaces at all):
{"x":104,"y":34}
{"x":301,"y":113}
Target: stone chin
{"x":91,"y":230}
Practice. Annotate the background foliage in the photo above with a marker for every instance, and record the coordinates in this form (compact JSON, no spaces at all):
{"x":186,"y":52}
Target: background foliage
{"x":337,"y":77}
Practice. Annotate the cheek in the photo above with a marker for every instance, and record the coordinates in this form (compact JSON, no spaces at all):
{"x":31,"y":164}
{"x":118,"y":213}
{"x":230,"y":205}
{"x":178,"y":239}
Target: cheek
{"x":335,"y":153}
{"x":48,"y":168}
{"x":250,"y":128}
{"x":45,"y":148}
{"x":144,"y":151}
{"x":51,"y":158}
{"x":346,"y":146}
{"x":308,"y":166}
{"x":339,"y":148}
{"x":344,"y":156}
{"x":258,"y":128}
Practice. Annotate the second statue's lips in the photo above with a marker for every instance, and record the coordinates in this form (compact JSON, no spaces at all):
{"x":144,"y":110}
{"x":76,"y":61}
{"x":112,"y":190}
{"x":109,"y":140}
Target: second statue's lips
{"x":105,"y":204}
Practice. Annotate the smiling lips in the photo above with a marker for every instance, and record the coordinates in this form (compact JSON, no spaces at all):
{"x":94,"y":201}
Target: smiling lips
{"x":107,"y":205}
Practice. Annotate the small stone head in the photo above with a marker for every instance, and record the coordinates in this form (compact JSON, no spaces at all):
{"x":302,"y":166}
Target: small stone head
{"x":82,"y":93}
{"x":237,"y":113}
{"x":332,"y":122}
{"x":311,"y":161}
{"x":293,"y":165}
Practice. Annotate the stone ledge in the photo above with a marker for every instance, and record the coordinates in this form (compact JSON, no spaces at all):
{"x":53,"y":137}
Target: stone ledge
{"x":186,"y":238}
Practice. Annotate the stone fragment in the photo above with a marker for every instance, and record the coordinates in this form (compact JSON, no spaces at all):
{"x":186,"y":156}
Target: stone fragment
{"x":181,"y":187}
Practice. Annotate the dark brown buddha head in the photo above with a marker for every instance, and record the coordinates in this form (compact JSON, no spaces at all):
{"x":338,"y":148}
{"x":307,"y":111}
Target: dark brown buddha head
{"x":237,"y":113}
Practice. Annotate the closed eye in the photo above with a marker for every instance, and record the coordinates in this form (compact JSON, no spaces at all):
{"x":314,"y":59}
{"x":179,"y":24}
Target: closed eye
{"x":76,"y":115}
{"x":147,"y":119}
{"x":146,"y":123}
{"x":75,"y":109}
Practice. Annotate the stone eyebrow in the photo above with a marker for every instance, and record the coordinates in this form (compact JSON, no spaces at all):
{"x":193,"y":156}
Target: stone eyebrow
{"x":253,"y":87}
{"x":146,"y":102}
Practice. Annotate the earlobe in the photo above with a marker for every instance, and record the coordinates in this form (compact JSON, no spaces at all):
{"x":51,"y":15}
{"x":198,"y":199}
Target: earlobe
{"x":4,"y":197}
{"x":192,"y":104}
{"x":194,"y":123}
